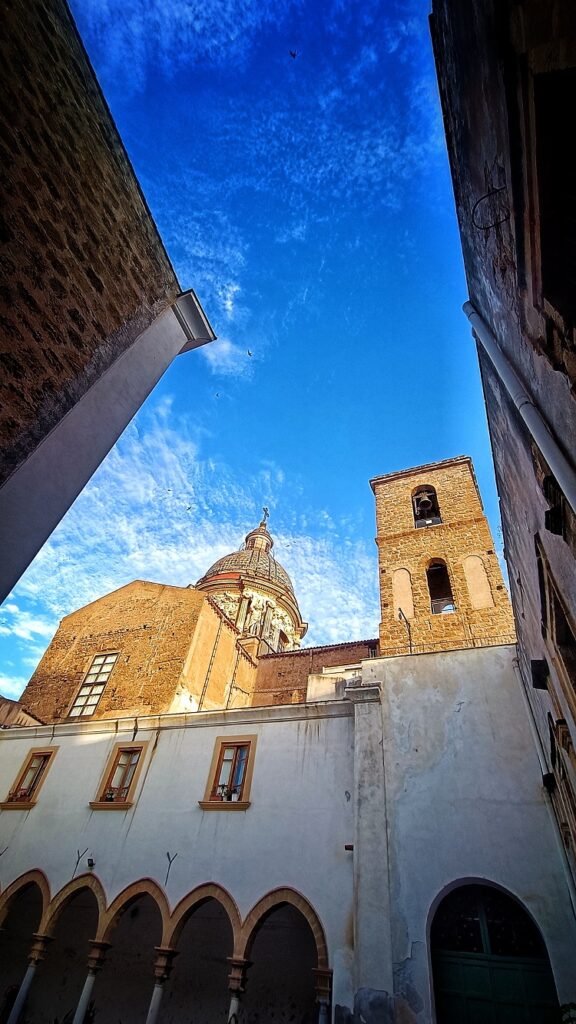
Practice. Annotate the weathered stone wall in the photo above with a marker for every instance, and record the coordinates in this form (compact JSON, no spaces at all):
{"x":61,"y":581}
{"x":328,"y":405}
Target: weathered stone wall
{"x":463,"y":532}
{"x":283,"y":678}
{"x":84,"y":271}
{"x":489,"y":56}
{"x":150,"y":626}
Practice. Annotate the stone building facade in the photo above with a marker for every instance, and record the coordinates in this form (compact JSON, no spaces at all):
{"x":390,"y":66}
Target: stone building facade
{"x":88,"y":290}
{"x":440,"y":581}
{"x":507,"y":79}
{"x":256,"y":593}
{"x":361,"y":835}
{"x":144,"y":649}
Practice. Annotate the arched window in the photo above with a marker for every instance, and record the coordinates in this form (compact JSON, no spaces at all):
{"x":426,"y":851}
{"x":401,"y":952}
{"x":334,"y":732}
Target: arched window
{"x":425,"y":506}
{"x":402,"y":593}
{"x":477,"y":582}
{"x":439,"y":588}
{"x":489,"y":961}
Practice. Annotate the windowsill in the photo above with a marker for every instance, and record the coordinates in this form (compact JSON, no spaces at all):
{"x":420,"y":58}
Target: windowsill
{"x":224,"y":805}
{"x":17,"y":805}
{"x":110,"y":805}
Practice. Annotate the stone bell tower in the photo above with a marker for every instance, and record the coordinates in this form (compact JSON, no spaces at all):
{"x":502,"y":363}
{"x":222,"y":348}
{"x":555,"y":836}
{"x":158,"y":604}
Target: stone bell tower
{"x":441,"y":587}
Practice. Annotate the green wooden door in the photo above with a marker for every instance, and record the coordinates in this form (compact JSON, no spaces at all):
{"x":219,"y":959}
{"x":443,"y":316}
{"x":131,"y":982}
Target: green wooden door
{"x":489,"y":962}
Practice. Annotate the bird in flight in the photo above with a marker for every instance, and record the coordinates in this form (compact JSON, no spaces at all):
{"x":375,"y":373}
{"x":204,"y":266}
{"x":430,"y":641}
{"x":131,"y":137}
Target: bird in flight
{"x":293,"y":54}
{"x":249,"y":352}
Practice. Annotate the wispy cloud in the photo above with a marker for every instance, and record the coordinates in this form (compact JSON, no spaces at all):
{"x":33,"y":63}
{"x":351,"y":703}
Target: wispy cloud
{"x":12,"y":686}
{"x":137,"y":37}
{"x":227,"y":359}
{"x":158,"y":510}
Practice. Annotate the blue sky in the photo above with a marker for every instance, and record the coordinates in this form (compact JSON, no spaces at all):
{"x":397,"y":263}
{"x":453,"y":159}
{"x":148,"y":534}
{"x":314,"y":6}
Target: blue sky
{"x":308,"y":202}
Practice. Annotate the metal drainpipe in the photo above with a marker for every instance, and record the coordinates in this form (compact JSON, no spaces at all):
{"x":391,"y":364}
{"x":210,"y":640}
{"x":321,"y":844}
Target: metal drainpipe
{"x":544,"y":769}
{"x":562,"y":470}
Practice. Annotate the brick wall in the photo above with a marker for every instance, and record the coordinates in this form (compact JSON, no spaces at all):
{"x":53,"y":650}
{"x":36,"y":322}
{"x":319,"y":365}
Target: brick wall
{"x":463,"y":532}
{"x":283,"y":678}
{"x":150,"y":626}
{"x":83,"y":268}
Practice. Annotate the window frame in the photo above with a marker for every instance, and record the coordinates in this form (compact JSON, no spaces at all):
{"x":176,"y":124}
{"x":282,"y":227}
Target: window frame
{"x":210,"y":803}
{"x":100,"y":804}
{"x":26,"y":805}
{"x":84,"y":683}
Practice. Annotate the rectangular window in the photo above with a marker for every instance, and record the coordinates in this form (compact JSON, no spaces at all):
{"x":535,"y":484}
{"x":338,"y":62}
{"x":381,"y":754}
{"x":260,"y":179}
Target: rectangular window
{"x":25,"y":790}
{"x":230,"y":774}
{"x":93,"y":686}
{"x":554,"y":104}
{"x":120,"y":776}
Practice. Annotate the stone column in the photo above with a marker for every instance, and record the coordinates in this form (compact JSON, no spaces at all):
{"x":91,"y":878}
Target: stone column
{"x":96,"y":956}
{"x":323,"y":985}
{"x":36,"y":954}
{"x":236,"y":984}
{"x":162,"y":969}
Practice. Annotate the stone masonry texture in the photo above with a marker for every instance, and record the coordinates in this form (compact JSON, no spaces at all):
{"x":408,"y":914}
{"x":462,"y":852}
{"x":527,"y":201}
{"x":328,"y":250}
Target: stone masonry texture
{"x":83,"y":269}
{"x":150,"y":626}
{"x":283,"y":678}
{"x":463,"y":531}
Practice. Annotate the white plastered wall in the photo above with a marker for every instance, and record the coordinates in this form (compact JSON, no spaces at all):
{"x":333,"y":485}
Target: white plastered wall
{"x":465,"y":801}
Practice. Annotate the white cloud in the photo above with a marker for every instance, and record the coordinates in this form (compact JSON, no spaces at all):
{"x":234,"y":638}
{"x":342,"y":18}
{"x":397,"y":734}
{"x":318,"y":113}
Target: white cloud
{"x":227,"y":359}
{"x":136,"y":37}
{"x":12,"y":686}
{"x":23,"y":624}
{"x":157,"y":510}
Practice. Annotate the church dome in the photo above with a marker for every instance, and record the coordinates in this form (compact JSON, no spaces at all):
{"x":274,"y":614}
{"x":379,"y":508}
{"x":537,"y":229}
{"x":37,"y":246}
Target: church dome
{"x":255,"y":591}
{"x":253,"y":562}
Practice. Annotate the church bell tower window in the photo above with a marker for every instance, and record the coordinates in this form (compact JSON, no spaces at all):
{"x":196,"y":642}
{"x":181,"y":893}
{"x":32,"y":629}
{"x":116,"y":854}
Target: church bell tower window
{"x":439,"y":588}
{"x":425,"y":507}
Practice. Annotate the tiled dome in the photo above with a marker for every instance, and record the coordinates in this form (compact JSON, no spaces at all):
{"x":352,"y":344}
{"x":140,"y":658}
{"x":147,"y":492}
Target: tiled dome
{"x":254,"y":564}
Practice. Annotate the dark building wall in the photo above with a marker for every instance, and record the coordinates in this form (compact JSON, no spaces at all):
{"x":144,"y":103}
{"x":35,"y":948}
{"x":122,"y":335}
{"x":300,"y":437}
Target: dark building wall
{"x":494,"y":63}
{"x":283,"y":678}
{"x":83,"y":268}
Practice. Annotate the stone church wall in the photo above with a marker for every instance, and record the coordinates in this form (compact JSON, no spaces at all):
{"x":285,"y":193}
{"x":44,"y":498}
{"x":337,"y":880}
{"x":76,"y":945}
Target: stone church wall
{"x":149,"y":625}
{"x":84,"y":269}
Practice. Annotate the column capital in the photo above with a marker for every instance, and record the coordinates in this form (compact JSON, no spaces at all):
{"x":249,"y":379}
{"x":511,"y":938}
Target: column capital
{"x":323,"y":983}
{"x":96,"y":954}
{"x":163,"y":962}
{"x":38,"y":948}
{"x":237,"y":976}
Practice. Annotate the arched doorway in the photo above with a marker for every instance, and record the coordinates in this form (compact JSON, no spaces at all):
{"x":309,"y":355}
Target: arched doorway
{"x":280,"y":981}
{"x":489,"y":961}
{"x":22,"y":920}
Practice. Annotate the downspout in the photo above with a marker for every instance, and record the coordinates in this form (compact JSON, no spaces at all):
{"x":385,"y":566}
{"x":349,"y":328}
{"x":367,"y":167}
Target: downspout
{"x":560,"y":467}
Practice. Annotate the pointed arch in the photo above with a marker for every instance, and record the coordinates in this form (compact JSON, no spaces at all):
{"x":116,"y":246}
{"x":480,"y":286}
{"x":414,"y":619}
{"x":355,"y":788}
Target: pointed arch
{"x":66,"y":893}
{"x":35,"y":877}
{"x":194,"y":899}
{"x":268,"y":903}
{"x":125,"y":899}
